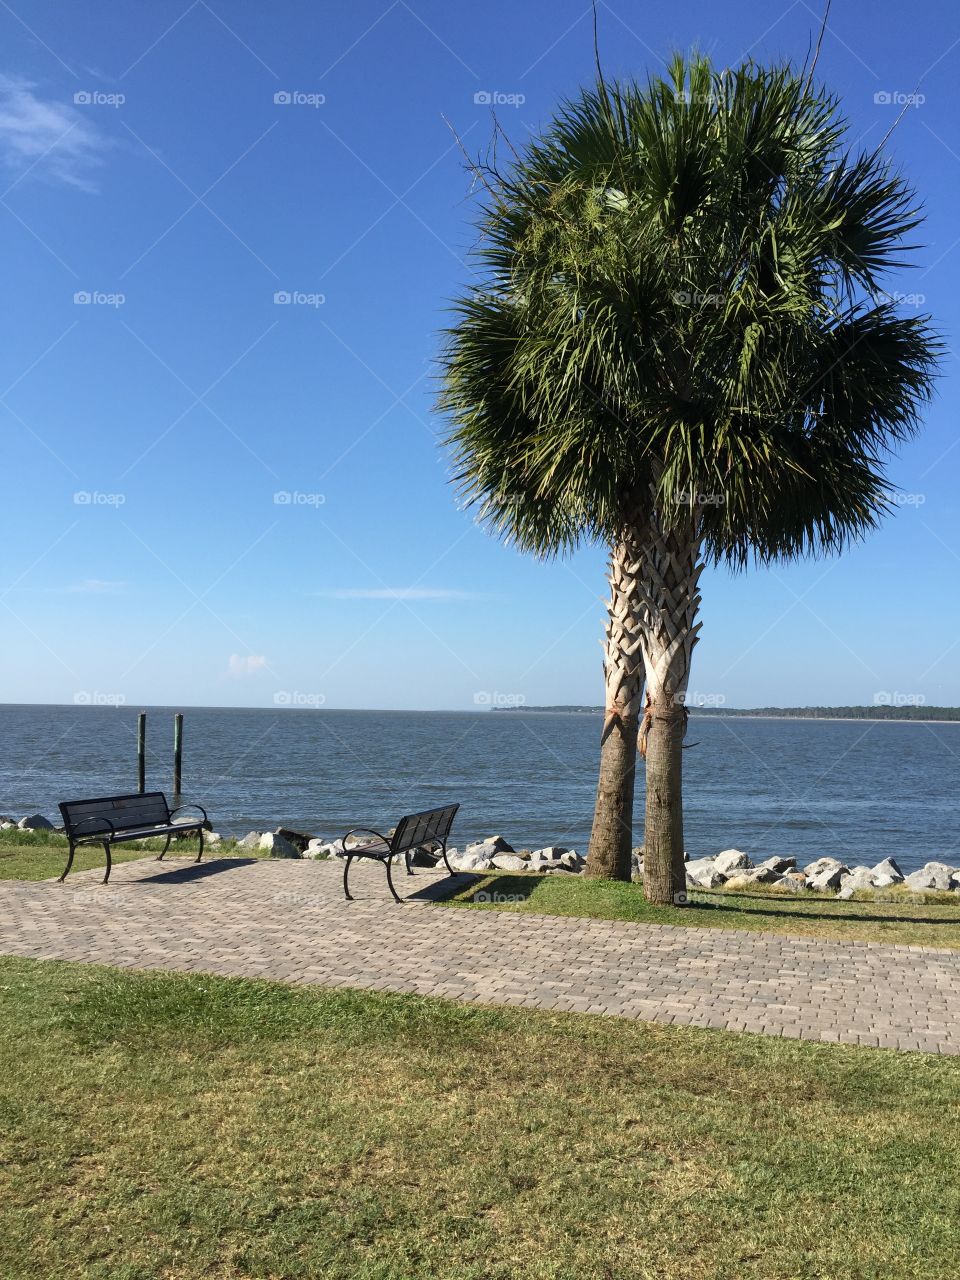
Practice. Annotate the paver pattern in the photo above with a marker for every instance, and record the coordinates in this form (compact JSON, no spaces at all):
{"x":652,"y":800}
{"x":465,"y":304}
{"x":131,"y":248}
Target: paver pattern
{"x":287,"y":920}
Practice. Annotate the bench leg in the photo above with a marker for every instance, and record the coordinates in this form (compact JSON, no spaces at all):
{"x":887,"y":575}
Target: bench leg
{"x":346,"y":872}
{"x":165,"y":848}
{"x":446,"y":860}
{"x":200,"y":854}
{"x":406,"y":858}
{"x":69,"y":863}
{"x":106,"y":849}
{"x":396,"y":896}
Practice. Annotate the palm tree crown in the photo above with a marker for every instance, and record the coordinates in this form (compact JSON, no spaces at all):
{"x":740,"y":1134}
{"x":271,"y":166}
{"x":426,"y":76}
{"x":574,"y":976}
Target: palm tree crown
{"x":681,"y":295}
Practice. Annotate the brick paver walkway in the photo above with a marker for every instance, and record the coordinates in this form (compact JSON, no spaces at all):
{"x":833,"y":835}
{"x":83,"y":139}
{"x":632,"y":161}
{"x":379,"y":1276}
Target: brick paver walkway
{"x":287,"y":921}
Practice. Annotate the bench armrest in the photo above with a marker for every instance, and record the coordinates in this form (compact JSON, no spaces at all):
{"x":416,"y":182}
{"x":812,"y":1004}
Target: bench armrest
{"x":190,"y":806}
{"x":356,"y":831}
{"x":110,"y":831}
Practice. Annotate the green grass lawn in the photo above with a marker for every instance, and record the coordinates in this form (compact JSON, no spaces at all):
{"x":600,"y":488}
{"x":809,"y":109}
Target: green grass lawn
{"x":41,"y":855}
{"x":160,"y":1125}
{"x":931,"y":920}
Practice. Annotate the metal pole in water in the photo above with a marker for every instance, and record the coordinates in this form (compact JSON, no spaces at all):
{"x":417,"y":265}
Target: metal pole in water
{"x":177,"y":753}
{"x":142,"y":751}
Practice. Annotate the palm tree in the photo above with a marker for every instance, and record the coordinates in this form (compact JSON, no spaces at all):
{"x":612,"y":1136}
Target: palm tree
{"x":679,"y":347}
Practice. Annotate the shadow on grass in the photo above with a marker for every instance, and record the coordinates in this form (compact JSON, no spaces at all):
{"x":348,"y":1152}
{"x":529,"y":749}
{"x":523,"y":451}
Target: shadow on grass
{"x":482,"y":889}
{"x":774,"y":907}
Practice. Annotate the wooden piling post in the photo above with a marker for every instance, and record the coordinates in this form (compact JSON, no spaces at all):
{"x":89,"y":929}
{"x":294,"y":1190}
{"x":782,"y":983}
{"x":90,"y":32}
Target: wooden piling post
{"x":142,"y":751}
{"x":177,"y":754}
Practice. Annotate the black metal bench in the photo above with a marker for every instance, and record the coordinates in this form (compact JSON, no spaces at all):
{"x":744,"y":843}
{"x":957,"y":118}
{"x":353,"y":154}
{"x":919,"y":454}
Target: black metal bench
{"x":416,"y":831}
{"x":111,"y":820}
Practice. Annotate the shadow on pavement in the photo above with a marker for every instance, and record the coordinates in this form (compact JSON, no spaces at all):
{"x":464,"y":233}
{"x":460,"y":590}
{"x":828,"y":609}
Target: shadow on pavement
{"x":195,"y":871}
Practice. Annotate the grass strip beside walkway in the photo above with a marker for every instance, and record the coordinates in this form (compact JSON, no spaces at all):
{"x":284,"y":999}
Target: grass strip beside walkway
{"x":930,"y":920}
{"x":161,"y":1125}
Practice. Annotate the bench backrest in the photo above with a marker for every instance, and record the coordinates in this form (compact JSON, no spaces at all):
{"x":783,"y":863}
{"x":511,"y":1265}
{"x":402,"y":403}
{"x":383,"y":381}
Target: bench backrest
{"x":423,"y":828}
{"x":141,"y":809}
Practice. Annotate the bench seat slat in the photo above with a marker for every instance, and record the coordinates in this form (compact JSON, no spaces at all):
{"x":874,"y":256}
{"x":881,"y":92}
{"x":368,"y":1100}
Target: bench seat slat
{"x":148,"y":809}
{"x":137,"y":833}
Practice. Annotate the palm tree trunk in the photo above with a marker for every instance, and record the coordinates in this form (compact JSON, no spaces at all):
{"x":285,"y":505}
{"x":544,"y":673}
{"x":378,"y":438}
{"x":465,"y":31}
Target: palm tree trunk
{"x":669,"y":580}
{"x":611,"y":840}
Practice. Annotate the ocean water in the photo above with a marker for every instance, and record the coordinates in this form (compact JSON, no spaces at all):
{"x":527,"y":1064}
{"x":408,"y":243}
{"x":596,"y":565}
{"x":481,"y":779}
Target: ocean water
{"x":858,"y":790}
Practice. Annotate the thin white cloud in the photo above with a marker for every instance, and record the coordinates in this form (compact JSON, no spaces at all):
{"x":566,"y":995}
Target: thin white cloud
{"x":246,"y":665}
{"x":47,"y":136}
{"x":399,"y":593}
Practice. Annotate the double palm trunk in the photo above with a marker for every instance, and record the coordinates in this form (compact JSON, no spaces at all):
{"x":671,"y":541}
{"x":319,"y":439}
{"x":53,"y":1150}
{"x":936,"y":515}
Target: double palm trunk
{"x":668,"y":581}
{"x":611,"y":840}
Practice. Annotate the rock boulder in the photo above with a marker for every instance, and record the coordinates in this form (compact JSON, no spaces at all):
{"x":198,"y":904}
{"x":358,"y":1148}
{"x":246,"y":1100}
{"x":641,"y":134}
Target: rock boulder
{"x":731,"y":860}
{"x":859,"y":878}
{"x":510,"y":862}
{"x":794,"y":881}
{"x":35,"y":822}
{"x":323,"y":849}
{"x":828,"y":877}
{"x":936,"y":876}
{"x":277,"y":846}
{"x":702,"y":873}
{"x":887,"y":873}
{"x":780,"y":865}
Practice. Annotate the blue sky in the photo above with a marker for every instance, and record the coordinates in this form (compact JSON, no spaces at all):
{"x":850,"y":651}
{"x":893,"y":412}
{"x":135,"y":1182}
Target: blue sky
{"x":149,"y":165}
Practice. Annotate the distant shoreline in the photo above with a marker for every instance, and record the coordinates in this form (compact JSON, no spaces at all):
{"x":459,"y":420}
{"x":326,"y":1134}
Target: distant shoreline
{"x":888,"y":715}
{"x":894,"y":715}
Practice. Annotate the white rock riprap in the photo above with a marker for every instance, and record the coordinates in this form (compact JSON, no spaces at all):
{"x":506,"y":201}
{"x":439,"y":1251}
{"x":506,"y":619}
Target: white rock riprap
{"x":278,"y":846}
{"x":323,"y":849}
{"x":937,"y":876}
{"x":702,"y":873}
{"x":733,"y":869}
